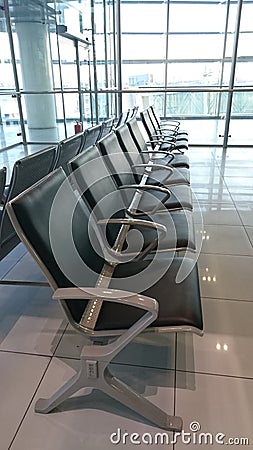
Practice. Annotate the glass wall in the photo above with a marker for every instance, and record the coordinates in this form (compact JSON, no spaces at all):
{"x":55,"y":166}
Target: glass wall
{"x":86,"y":60}
{"x":43,"y":47}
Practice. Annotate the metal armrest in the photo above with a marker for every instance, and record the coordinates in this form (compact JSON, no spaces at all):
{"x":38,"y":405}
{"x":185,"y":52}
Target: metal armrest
{"x":96,"y":298}
{"x":167,"y":128}
{"x":164,"y":121}
{"x":112,"y":295}
{"x":148,"y":187}
{"x":162,"y":138}
{"x":157,"y":167}
{"x":166,"y":152}
{"x":154,"y":166}
{"x":138,"y":222}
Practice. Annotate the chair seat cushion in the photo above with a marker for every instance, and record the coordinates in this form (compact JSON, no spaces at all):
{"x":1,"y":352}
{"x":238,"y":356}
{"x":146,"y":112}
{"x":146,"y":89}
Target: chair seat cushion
{"x":180,"y":175}
{"x":178,"y":160}
{"x":180,"y":197}
{"x":179,"y":303}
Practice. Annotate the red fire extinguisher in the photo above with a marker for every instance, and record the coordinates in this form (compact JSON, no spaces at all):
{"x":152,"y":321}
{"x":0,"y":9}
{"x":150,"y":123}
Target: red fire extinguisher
{"x":78,"y":127}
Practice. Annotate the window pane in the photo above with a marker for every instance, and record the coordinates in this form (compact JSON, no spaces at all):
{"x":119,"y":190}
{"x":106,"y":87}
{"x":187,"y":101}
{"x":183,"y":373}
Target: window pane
{"x":197,"y":17}
{"x":143,"y":47}
{"x":196,"y":46}
{"x":143,"y":17}
{"x":143,"y":75}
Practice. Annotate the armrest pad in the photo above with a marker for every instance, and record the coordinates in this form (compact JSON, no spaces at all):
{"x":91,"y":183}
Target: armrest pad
{"x":132,"y":221}
{"x":154,"y":166}
{"x":110,"y":295}
{"x":146,"y":187}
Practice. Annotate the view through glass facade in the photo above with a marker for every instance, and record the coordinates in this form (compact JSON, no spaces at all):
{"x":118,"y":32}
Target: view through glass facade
{"x":86,"y":60}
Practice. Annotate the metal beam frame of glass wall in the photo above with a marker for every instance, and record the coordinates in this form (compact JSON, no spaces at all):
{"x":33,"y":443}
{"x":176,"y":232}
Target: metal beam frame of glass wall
{"x":119,"y":68}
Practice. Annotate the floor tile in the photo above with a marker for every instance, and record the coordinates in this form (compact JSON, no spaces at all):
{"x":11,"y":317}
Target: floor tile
{"x":223,"y":276}
{"x":31,"y":321}
{"x":26,"y":270}
{"x":234,"y":157}
{"x":249,"y":231}
{"x":210,"y":173}
{"x":216,"y":405}
{"x":151,"y":349}
{"x":241,"y":194}
{"x":216,"y":214}
{"x":11,"y":259}
{"x":88,"y":422}
{"x":238,"y":172}
{"x":239,"y":182}
{"x":19,"y":377}
{"x":245,"y":211}
{"x":211,"y":194}
{"x":225,"y":239}
{"x":226,"y":346}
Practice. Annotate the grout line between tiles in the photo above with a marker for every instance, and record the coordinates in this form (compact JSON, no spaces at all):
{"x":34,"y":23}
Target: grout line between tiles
{"x":29,"y":404}
{"x":213,"y":374}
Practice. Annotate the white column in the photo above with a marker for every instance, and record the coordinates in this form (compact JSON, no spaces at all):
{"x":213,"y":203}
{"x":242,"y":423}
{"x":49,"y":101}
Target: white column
{"x":36,"y":74}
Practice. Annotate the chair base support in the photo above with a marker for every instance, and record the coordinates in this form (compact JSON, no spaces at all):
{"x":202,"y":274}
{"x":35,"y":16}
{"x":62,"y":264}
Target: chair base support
{"x":96,"y":375}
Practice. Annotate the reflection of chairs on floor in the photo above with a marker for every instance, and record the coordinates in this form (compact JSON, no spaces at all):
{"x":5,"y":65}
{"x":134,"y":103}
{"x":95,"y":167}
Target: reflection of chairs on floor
{"x":25,"y":173}
{"x":65,"y":244}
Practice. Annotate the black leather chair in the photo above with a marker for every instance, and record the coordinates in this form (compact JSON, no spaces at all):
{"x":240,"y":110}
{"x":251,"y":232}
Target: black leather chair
{"x":167,"y":127}
{"x":165,"y":157}
{"x":164,"y":173}
{"x":2,"y":183}
{"x":91,"y":136}
{"x":179,"y":196}
{"x":157,"y":138}
{"x":123,"y":117}
{"x":67,"y":149}
{"x":102,"y":196}
{"x":94,"y":294}
{"x":25,"y":173}
{"x":106,"y":128}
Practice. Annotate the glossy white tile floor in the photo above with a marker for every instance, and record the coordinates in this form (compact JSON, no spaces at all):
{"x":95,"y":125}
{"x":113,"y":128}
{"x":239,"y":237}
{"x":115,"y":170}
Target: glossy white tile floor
{"x":207,"y":380}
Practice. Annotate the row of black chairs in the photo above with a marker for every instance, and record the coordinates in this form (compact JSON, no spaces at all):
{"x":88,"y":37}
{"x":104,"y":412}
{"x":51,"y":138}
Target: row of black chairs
{"x":84,"y":231}
{"x":32,"y":168}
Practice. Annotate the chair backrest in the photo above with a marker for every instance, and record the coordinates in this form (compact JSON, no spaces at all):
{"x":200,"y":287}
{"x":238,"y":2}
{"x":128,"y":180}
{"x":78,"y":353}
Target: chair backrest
{"x":25,"y":173}
{"x":98,"y":189}
{"x":123,"y":117}
{"x":93,"y":179}
{"x":148,"y":124}
{"x":132,"y":112}
{"x":117,"y":161}
{"x":67,"y":149}
{"x":92,"y":135}
{"x":137,"y":134}
{"x":106,"y":128}
{"x":173,"y":123}
{"x":153,"y":116}
{"x":58,"y":238}
{"x":129,"y":146}
{"x":2,"y":182}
